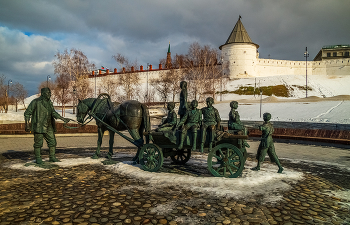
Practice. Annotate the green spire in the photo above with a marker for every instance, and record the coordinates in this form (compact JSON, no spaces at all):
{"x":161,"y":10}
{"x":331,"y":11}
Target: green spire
{"x":169,"y":47}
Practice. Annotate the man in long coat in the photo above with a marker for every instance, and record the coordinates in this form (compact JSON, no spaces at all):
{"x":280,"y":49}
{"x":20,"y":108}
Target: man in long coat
{"x":43,"y":115}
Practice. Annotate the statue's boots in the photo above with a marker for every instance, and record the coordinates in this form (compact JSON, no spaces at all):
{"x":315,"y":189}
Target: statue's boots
{"x":194,"y":141}
{"x":202,"y":147}
{"x":182,"y":138}
{"x":52,"y":155}
{"x":38,"y":156}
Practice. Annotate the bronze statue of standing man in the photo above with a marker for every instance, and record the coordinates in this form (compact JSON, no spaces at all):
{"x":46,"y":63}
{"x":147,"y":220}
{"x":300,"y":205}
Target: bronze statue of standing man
{"x":183,"y":100}
{"x":43,"y":115}
{"x":266,"y":144}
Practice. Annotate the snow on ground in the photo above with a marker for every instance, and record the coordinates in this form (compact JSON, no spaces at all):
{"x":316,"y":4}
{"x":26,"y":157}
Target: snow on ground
{"x":332,"y":109}
{"x":264,"y":182}
{"x":318,"y":112}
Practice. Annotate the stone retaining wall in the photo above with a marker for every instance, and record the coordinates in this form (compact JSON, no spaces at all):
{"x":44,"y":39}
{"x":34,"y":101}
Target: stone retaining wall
{"x":18,"y":128}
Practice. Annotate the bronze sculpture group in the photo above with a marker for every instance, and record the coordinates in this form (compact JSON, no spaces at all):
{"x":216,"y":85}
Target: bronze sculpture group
{"x":133,"y":116}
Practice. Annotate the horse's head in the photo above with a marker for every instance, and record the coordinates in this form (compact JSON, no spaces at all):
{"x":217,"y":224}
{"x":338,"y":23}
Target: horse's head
{"x":82,"y":110}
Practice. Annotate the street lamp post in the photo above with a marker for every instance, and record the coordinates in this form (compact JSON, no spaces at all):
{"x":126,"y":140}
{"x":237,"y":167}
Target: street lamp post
{"x":95,"y":84}
{"x":74,"y":97}
{"x":306,"y":54}
{"x":8,"y":95}
{"x":147,"y":83}
{"x":222,"y":73}
{"x":47,"y":80}
{"x":260,"y":102}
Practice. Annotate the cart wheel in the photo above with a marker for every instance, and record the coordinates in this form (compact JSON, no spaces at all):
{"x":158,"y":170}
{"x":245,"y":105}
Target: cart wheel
{"x":225,"y":160}
{"x":151,"y":157}
{"x":182,"y":156}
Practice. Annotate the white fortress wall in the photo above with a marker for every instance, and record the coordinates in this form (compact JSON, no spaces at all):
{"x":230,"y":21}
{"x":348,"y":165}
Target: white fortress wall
{"x":273,"y":67}
{"x":268,"y":67}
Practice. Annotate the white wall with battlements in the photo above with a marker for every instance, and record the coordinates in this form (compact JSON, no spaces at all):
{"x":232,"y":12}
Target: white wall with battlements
{"x":242,"y":60}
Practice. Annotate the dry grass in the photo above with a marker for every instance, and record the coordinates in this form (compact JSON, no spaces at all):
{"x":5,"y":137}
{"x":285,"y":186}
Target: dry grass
{"x":277,"y":90}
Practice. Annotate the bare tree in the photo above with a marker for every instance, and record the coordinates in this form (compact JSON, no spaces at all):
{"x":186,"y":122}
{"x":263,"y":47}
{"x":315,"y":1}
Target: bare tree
{"x":110,"y":86}
{"x":202,"y":71}
{"x":72,"y":66}
{"x":19,"y":94}
{"x":168,"y":83}
{"x":62,"y":91}
{"x":2,"y":93}
{"x":169,"y":80}
{"x":129,"y":81}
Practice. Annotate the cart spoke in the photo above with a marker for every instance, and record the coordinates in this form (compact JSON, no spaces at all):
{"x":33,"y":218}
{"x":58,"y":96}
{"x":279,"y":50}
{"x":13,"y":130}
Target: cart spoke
{"x":221,"y":154}
{"x":233,"y":165}
{"x":217,"y":157}
{"x":230,"y":170}
{"x":233,"y":155}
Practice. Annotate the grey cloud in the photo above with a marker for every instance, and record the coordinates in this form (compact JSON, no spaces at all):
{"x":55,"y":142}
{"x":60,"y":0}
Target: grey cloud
{"x":141,"y":29}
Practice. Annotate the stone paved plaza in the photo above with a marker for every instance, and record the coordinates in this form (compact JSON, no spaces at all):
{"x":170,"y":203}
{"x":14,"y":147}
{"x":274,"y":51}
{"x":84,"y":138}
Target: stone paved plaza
{"x":95,"y":194}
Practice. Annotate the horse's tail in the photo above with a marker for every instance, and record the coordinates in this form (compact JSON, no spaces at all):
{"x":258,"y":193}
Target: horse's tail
{"x":146,"y":122}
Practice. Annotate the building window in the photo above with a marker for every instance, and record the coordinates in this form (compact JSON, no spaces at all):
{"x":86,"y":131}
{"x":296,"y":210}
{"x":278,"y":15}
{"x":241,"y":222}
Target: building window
{"x":346,"y":54}
{"x":334,"y":54}
{"x":328,"y":54}
{"x":245,"y":72}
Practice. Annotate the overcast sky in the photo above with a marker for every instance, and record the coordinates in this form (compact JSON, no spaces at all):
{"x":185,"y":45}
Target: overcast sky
{"x":31,"y":32}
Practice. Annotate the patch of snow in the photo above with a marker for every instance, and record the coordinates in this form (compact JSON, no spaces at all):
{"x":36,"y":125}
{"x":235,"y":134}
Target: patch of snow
{"x":265,"y":182}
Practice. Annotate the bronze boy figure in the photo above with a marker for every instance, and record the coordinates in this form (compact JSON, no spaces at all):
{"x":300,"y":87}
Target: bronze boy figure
{"x":191,"y":120}
{"x":171,"y":120}
{"x":211,"y":121}
{"x":183,"y":99}
{"x":234,"y":122}
{"x":43,"y":116}
{"x":266,"y":144}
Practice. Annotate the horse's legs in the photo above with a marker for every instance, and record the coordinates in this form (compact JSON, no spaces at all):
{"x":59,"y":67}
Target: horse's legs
{"x":138,"y":139}
{"x":100,"y":132}
{"x":111,"y":142}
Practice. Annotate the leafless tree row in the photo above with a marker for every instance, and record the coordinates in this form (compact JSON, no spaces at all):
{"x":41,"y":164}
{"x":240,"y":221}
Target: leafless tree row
{"x":72,"y":68}
{"x":199,"y":67}
{"x":13,"y":94}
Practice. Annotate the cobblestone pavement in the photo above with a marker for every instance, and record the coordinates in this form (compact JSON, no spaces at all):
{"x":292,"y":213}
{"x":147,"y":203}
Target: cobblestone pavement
{"x":92,"y":194}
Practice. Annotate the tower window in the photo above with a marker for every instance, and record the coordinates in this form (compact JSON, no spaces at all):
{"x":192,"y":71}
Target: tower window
{"x":334,"y":54}
{"x":346,"y":54}
{"x":328,"y":54}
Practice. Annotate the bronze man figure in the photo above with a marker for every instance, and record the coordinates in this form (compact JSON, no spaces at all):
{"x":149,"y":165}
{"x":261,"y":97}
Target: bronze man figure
{"x":211,"y":122}
{"x":266,"y":144}
{"x":183,"y":99}
{"x":43,"y":115}
{"x":171,"y":120}
{"x":191,"y":120}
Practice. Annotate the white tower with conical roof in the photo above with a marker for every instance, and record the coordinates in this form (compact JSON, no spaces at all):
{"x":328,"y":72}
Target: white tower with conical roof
{"x":239,"y":53}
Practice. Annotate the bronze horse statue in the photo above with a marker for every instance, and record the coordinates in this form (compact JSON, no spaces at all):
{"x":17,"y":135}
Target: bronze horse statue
{"x":130,"y":115}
